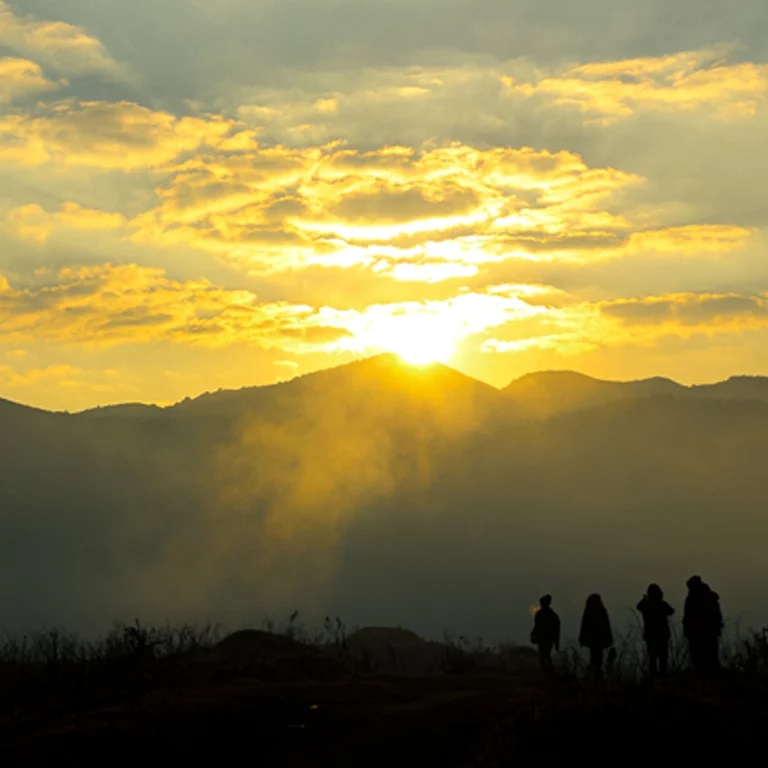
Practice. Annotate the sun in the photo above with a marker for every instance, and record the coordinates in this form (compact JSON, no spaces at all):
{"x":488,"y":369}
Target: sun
{"x":418,"y":335}
{"x":418,"y":340}
{"x":422,"y":350}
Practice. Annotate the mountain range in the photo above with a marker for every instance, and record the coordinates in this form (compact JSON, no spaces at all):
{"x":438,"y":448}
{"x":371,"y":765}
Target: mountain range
{"x":385,"y":493}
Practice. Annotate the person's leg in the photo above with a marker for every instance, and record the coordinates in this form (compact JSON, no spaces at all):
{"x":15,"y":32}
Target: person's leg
{"x":596,"y":661}
{"x":664,"y":659}
{"x":653,"y":659}
{"x":713,"y":654}
{"x":694,"y":651}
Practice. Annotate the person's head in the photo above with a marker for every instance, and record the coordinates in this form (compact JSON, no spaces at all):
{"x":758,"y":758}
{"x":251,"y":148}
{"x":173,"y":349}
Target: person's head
{"x":654,"y":592}
{"x":594,"y":601}
{"x":694,"y":583}
{"x":545,"y":601}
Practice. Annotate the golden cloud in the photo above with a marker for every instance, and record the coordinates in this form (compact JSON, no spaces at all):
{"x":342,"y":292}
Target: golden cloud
{"x":685,"y":81}
{"x":31,"y":222}
{"x":20,"y":78}
{"x":413,"y":215}
{"x":691,"y":239}
{"x":107,"y":305}
{"x":640,"y":321}
{"x":688,"y":313}
{"x":58,"y":44}
{"x":112,"y":135}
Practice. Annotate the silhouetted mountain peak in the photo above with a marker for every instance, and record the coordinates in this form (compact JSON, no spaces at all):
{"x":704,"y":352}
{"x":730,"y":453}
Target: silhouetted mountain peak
{"x":374,"y":381}
{"x":126,"y":410}
{"x":739,"y":387}
{"x":546,"y":393}
{"x":390,"y":364}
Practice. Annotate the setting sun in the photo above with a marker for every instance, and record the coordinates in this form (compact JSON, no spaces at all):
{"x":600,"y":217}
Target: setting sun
{"x":417,"y":338}
{"x":421,"y":350}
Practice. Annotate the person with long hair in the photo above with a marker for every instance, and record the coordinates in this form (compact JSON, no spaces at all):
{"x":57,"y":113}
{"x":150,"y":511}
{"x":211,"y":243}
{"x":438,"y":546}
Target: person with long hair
{"x":595,"y":633}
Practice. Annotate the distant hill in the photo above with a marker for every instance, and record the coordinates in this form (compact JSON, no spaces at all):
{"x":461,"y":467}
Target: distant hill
{"x":381,"y":492}
{"x":125,"y":410}
{"x":382,"y":383}
{"x":735,"y":388}
{"x":547,"y":393}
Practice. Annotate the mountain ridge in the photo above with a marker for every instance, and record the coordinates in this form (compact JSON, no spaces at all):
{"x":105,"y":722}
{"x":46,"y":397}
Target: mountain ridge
{"x":538,"y":384}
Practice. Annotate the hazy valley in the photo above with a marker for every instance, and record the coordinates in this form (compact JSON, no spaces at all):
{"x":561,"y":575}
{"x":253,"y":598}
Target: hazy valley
{"x":386,"y":494}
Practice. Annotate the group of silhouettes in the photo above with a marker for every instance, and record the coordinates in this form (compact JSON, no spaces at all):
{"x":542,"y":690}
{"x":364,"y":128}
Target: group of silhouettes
{"x":702,"y":628}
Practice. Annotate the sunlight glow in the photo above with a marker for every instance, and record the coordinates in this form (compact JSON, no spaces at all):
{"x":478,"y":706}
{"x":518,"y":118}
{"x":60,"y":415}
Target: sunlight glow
{"x":428,"y":332}
{"x":419,"y":339}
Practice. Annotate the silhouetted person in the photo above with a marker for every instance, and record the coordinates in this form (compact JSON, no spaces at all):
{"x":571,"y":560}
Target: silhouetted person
{"x":702,"y":625}
{"x":546,"y":632}
{"x":595,"y":633}
{"x":656,"y":612}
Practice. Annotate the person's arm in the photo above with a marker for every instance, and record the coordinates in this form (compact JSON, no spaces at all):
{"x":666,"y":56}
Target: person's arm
{"x":557,"y":633}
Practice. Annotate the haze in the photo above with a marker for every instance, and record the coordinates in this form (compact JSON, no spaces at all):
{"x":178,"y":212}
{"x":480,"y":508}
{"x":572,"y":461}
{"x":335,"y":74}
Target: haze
{"x":388,"y":494}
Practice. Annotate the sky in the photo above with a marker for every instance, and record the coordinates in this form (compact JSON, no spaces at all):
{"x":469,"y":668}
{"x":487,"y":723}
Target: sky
{"x":204,"y":195}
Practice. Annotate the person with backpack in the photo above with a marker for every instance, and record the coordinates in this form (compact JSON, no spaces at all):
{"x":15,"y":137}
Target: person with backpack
{"x":702,"y":625}
{"x":546,"y":632}
{"x":656,"y":612}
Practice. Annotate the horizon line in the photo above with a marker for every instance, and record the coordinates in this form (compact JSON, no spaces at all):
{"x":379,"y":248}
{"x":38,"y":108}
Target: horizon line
{"x":396,"y":357}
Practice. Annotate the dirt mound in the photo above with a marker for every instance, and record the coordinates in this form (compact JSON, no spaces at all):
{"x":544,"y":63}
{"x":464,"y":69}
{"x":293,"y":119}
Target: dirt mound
{"x":397,"y":651}
{"x":275,"y":657}
{"x":247,"y":644}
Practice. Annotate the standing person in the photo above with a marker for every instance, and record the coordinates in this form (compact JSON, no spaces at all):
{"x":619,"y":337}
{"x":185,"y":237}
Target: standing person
{"x":656,"y":612}
{"x":702,"y":625}
{"x":595,"y":633}
{"x":546,"y":631}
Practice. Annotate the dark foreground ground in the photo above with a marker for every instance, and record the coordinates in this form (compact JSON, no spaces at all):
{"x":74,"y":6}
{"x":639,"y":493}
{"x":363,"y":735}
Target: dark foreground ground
{"x":209,"y":710}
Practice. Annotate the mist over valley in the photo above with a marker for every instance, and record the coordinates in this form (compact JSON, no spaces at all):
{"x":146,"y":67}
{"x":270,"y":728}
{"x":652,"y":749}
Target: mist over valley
{"x":385,"y":494}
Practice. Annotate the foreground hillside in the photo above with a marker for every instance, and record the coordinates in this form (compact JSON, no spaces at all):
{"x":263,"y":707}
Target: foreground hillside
{"x":380,"y":492}
{"x":289,"y":702}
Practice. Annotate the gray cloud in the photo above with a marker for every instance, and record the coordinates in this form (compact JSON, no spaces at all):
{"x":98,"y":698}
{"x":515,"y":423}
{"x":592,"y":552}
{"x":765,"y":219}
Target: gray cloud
{"x":250,"y":41}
